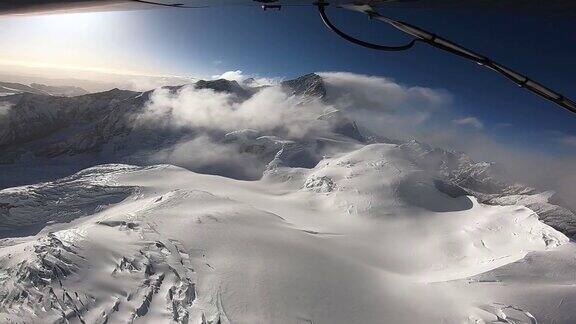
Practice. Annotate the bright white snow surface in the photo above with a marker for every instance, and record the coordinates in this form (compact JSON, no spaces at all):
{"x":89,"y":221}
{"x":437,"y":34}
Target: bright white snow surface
{"x":363,"y":237}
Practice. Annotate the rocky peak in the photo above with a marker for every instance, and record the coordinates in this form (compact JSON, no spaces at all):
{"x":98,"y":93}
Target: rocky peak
{"x":310,"y":85}
{"x":223,"y":85}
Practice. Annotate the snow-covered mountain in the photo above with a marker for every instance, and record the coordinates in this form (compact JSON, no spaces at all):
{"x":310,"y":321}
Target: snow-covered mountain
{"x":102,"y":128}
{"x":10,"y":88}
{"x":336,"y":225}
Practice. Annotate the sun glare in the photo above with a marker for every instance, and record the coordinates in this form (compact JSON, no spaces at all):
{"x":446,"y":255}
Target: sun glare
{"x":81,"y":41}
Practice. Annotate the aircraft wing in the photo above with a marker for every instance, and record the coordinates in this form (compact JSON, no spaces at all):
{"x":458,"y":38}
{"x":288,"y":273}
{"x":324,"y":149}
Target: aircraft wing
{"x":56,"y":6}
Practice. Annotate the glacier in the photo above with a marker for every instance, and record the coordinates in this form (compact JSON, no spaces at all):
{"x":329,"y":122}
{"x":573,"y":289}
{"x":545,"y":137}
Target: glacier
{"x":105,"y":220}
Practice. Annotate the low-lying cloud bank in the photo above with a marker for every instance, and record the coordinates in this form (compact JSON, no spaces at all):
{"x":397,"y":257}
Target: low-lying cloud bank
{"x":269,"y":110}
{"x":378,"y":104}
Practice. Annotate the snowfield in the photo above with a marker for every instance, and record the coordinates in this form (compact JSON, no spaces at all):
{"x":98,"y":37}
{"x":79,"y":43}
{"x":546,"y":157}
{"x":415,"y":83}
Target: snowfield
{"x":342,"y":226}
{"x":360,"y":238}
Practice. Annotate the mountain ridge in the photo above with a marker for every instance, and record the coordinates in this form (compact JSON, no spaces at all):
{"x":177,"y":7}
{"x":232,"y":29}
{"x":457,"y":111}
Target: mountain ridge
{"x":10,"y":88}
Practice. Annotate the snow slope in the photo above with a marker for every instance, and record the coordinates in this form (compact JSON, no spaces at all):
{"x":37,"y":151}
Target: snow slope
{"x":363,"y":237}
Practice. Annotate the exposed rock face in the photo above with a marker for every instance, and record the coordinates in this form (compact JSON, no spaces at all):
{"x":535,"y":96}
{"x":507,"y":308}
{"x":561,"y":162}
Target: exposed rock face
{"x":222,"y":85}
{"x":310,"y":85}
{"x":51,"y":126}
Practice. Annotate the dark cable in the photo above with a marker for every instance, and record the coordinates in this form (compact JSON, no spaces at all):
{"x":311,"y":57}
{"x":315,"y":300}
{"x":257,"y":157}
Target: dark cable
{"x":321,"y":8}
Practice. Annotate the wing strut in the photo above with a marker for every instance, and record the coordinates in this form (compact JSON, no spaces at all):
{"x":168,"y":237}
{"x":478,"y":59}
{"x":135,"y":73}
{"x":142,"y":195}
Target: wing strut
{"x":423,"y":36}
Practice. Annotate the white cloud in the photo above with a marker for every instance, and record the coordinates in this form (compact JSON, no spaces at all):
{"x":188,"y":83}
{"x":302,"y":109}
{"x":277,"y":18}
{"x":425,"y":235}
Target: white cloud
{"x":208,"y":115}
{"x":268,"y":110}
{"x":383,"y":105}
{"x":236,"y":75}
{"x":239,"y":76}
{"x":469,"y":121}
{"x":379,"y":93}
{"x":204,"y":155}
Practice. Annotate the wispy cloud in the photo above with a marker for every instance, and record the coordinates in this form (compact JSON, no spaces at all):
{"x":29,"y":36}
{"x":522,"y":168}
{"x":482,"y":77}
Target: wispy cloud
{"x":383,"y":105}
{"x":569,"y":140}
{"x":469,"y":121}
{"x":235,"y":75}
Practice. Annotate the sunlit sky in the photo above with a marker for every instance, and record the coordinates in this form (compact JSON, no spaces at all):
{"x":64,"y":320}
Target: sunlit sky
{"x":293,"y":41}
{"x":99,"y":41}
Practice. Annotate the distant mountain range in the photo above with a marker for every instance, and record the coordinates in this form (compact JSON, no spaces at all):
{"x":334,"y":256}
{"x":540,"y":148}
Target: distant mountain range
{"x":10,"y":88}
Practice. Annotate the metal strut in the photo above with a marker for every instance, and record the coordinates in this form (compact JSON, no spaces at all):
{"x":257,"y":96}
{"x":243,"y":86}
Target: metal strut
{"x":433,"y":40}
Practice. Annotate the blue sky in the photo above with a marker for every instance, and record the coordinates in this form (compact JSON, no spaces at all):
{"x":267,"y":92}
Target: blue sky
{"x":205,"y":42}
